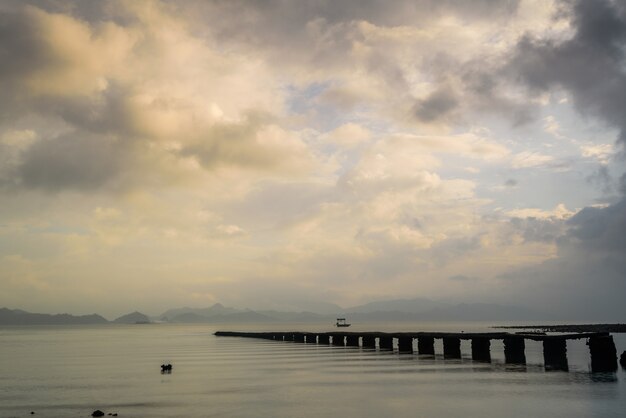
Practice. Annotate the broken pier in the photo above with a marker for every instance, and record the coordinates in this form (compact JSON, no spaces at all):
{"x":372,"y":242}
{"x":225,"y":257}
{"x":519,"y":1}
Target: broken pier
{"x":601,"y":345}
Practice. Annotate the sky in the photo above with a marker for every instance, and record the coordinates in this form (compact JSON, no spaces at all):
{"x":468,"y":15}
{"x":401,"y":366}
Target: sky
{"x":280,"y":154}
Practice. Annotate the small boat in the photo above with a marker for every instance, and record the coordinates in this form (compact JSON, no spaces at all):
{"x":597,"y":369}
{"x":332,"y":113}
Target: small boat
{"x":341,"y":322}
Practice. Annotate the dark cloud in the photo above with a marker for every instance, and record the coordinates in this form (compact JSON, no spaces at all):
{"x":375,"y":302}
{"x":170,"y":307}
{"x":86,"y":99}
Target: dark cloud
{"x":79,"y":162}
{"x":21,"y":53}
{"x":284,"y":20}
{"x":601,"y":229}
{"x":436,"y":106}
{"x":622,"y":185}
{"x":538,"y":230}
{"x":590,"y":65}
{"x":603,"y":179}
{"x":589,"y":270}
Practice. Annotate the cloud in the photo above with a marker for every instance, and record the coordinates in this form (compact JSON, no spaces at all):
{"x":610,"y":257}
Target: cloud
{"x":511,"y":183}
{"x":559,"y":212}
{"x":134,"y":90}
{"x":589,"y":64}
{"x":436,"y":106}
{"x":203,"y":147}
{"x":601,"y":229}
{"x":529,"y":159}
{"x":462,"y":278}
{"x":601,"y":152}
{"x":588,"y":270}
{"x":348,"y":135}
{"x":80,"y":162}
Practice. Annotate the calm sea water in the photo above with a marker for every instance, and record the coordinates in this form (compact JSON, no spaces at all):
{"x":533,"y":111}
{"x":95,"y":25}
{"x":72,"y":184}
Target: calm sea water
{"x":71,"y":371}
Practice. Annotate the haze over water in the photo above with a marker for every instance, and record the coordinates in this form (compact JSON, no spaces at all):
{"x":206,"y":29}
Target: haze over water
{"x":72,"y":370}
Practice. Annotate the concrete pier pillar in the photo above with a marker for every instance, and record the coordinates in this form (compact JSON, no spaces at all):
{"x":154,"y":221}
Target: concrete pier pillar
{"x":369,"y":341}
{"x":603,"y":354}
{"x":481,"y":349}
{"x":426,"y":345}
{"x":338,"y":340}
{"x":514,"y":350}
{"x":323,"y":339}
{"x":298,"y":337}
{"x":405,"y":345}
{"x":555,"y":354}
{"x":311,"y":338}
{"x":385,"y":343}
{"x":352,"y":340}
{"x":288,"y":337}
{"x":451,"y":347}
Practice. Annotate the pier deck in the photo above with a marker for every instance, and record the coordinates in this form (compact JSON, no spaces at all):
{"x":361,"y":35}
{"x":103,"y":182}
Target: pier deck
{"x":601,"y":346}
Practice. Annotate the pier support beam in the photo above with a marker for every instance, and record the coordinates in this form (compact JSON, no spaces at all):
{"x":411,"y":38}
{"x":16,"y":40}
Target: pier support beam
{"x":555,"y":354}
{"x":311,"y":338}
{"x":352,"y":340}
{"x":603,"y":354}
{"x":369,"y":341}
{"x":324,"y":339}
{"x":338,"y":340}
{"x":288,"y":337}
{"x":514,"y":350}
{"x":385,"y":343}
{"x":451,"y":347}
{"x":481,"y":349}
{"x":426,"y":345}
{"x":298,"y":337}
{"x":405,"y":344}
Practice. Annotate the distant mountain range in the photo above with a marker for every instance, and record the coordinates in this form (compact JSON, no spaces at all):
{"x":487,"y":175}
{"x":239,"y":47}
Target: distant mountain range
{"x":19,"y":317}
{"x":382,"y":311}
{"x":133,"y":318}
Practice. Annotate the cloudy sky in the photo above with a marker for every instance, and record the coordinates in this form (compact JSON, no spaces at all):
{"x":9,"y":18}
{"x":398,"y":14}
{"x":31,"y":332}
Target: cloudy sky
{"x":272,"y":154}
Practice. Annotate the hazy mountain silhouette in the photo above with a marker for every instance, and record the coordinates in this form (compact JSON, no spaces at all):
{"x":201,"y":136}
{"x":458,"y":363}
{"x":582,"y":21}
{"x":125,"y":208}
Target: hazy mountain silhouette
{"x":216,"y":310}
{"x":20,"y":317}
{"x":132,"y":318}
{"x":399,"y":310}
{"x":416,"y":305}
{"x":238,"y":316}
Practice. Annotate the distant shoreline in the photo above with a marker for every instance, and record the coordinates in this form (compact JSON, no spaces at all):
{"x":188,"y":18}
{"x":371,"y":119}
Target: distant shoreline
{"x":571,"y":328}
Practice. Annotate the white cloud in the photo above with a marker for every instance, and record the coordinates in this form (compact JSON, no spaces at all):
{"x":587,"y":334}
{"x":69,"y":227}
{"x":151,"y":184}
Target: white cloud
{"x":559,"y":212}
{"x":348,"y":135}
{"x":207,"y":153}
{"x":600,"y":152}
{"x":529,"y":159}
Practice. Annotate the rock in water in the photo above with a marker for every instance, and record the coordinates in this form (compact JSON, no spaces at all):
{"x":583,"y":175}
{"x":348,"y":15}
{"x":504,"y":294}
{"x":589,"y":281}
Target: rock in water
{"x":97,"y":413}
{"x":622,"y":360}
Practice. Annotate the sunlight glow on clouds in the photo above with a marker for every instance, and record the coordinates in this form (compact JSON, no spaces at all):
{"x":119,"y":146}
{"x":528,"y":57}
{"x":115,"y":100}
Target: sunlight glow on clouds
{"x":155,"y":154}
